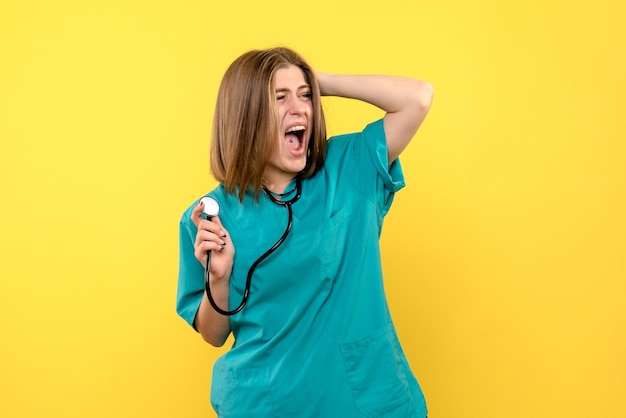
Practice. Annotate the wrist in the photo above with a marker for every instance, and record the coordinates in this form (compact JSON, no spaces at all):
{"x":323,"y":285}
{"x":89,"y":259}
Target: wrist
{"x":221,"y":278}
{"x":323,"y":83}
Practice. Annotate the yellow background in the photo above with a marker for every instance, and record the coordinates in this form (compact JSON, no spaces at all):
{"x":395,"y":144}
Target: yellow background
{"x":504,"y":256}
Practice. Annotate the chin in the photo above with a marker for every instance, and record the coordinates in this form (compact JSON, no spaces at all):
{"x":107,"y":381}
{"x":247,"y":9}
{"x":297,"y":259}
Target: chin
{"x":295,"y":165}
{"x":301,"y":166}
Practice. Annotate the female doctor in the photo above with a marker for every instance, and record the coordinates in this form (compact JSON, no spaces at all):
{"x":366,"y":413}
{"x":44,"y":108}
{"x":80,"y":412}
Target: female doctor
{"x":313,"y":336}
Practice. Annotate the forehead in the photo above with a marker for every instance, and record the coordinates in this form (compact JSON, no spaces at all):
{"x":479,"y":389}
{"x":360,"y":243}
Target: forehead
{"x":290,"y":76}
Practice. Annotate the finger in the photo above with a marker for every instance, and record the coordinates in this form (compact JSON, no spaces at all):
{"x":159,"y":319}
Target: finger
{"x":210,"y":226}
{"x":204,"y":235}
{"x":228,"y":244}
{"x":203,"y":247}
{"x":201,"y":256}
{"x":196,"y":214}
{"x":221,"y":230}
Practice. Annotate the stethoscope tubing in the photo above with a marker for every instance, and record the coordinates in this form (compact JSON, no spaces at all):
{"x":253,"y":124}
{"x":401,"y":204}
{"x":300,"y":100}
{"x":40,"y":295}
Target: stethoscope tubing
{"x":246,"y":293}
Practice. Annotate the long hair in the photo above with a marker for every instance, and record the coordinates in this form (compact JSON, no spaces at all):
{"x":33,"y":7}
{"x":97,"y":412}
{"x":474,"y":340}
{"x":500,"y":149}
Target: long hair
{"x":246,"y":126}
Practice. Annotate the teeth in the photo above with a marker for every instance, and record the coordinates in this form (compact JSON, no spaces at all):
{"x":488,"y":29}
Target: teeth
{"x":296,"y":128}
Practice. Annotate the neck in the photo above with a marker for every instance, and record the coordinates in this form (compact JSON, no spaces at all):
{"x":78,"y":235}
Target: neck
{"x":278,"y":186}
{"x":278,"y":197}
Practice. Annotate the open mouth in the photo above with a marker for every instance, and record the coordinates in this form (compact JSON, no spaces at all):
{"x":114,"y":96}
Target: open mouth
{"x":294,"y":137}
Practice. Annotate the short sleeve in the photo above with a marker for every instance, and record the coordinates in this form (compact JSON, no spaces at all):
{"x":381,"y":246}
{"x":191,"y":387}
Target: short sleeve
{"x":190,"y":272}
{"x":390,"y":175}
{"x":361,"y":159}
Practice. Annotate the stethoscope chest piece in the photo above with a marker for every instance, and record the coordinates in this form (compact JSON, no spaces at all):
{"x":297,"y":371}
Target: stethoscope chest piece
{"x":211,"y":207}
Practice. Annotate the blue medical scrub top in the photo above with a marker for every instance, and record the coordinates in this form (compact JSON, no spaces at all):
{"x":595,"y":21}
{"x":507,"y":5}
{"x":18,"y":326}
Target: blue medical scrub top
{"x":316,"y":338}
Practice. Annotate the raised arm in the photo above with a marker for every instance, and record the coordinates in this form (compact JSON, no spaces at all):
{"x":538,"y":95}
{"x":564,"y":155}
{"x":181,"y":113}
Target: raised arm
{"x":406,"y":101}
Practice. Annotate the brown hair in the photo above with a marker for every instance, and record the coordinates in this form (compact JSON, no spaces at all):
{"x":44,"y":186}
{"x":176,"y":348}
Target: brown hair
{"x":245,"y":126}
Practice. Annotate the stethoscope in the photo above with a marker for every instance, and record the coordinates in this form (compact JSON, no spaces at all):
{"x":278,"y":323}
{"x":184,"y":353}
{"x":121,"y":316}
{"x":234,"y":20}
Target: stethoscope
{"x":212,"y":208}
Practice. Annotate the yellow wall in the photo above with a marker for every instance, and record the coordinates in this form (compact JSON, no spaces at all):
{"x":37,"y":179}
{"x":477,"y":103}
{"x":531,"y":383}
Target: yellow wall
{"x":504,"y":257}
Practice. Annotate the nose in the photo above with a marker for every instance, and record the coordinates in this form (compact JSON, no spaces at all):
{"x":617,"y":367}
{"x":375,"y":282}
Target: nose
{"x":296,"y":107}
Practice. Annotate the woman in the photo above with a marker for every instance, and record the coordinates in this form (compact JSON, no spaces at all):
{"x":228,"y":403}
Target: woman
{"x":315,"y":338}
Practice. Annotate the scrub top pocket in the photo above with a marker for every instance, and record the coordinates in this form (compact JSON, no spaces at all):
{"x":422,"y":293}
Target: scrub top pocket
{"x":331,"y":245}
{"x":241,"y":393}
{"x":377,"y":372}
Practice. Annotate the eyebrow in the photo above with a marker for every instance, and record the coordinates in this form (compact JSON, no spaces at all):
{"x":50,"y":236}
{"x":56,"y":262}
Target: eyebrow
{"x":285,"y":89}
